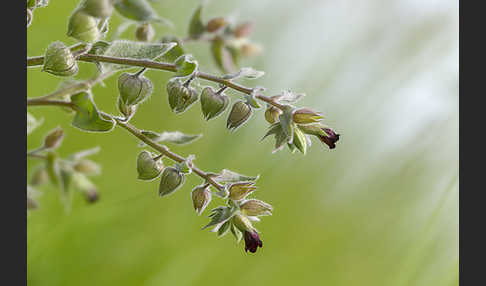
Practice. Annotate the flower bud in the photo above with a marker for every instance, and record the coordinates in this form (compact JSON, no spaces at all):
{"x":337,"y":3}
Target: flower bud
{"x":171,"y":180}
{"x":59,"y":60}
{"x":271,"y":114}
{"x":83,"y":27}
{"x":239,"y":191}
{"x":243,"y":30}
{"x":87,"y":167}
{"x":242,"y":223}
{"x":134,"y":88}
{"x":212,"y":103}
{"x":97,"y":8}
{"x":306,"y":116}
{"x":215,"y":24}
{"x":144,"y":32}
{"x":86,"y":187}
{"x":127,"y":110}
{"x":148,"y":168}
{"x":300,"y":141}
{"x":180,"y":96}
{"x":201,"y":196}
{"x":256,"y":208}
{"x":239,"y":114}
{"x":54,"y":138}
{"x":39,"y":176}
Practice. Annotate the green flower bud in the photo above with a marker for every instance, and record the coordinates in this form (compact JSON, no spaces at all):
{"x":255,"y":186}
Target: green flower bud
{"x":256,"y":208}
{"x":242,"y":223}
{"x":59,"y":60}
{"x":212,"y":103}
{"x":127,"y":110}
{"x":300,"y":140}
{"x":134,"y":88}
{"x":148,"y":168}
{"x":239,"y":191}
{"x":170,"y":181}
{"x":138,"y":10}
{"x":215,"y":24}
{"x":87,"y":167}
{"x":201,"y":196}
{"x":306,"y":115}
{"x":83,"y":27}
{"x":97,"y":8}
{"x":144,"y":32}
{"x":54,"y":138}
{"x":180,"y":96}
{"x":39,"y":176}
{"x":86,"y":187}
{"x":271,"y":114}
{"x":239,"y":114}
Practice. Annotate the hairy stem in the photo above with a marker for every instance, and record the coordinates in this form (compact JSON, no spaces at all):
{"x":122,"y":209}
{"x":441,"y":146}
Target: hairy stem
{"x":36,"y":61}
{"x":137,"y":133}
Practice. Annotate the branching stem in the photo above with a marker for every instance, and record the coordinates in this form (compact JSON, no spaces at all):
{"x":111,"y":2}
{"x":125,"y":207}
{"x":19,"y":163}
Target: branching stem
{"x":36,"y":61}
{"x":164,"y":150}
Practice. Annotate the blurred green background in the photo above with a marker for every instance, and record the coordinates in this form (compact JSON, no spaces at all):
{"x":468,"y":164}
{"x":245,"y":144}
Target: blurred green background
{"x":380,"y":209}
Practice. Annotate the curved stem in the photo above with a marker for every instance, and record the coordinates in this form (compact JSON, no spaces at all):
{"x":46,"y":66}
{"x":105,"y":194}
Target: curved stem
{"x":35,"y":61}
{"x":43,"y":102}
{"x":137,"y":133}
{"x":166,"y":152}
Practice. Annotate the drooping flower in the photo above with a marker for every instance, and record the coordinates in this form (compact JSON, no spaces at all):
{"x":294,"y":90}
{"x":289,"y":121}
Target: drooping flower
{"x":252,"y":241}
{"x":331,"y":138}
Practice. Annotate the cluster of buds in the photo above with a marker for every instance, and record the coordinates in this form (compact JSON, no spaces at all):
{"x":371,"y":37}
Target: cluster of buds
{"x":238,"y":216}
{"x":67,"y":174}
{"x":293,"y":125}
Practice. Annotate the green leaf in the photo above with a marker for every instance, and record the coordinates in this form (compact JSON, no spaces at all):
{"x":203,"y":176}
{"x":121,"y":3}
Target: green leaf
{"x":175,"y":52}
{"x":186,"y":65}
{"x":227,"y":176}
{"x":175,"y":137}
{"x":250,"y":73}
{"x":300,"y":140}
{"x":32,"y":123}
{"x":275,"y":128}
{"x":236,"y":233}
{"x":287,"y":125}
{"x":288,"y":97}
{"x":133,"y":50}
{"x":220,"y":215}
{"x":87,"y":116}
{"x":224,"y":229}
{"x":222,"y":55}
{"x":196,"y":26}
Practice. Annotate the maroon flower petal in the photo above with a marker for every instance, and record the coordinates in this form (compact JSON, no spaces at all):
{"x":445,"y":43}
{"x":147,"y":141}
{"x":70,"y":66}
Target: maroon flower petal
{"x":252,"y":241}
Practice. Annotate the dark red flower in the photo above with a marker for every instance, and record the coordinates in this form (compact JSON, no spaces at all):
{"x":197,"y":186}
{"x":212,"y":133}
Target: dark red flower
{"x":252,"y":241}
{"x":330,"y":139}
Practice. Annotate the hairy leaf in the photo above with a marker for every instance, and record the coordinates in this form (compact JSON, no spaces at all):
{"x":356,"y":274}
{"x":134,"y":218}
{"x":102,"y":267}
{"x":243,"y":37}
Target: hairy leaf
{"x":133,"y":50}
{"x":288,"y":97}
{"x":227,"y":176}
{"x":186,"y":65}
{"x":196,"y":26}
{"x":87,"y":116}
{"x":175,"y":137}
